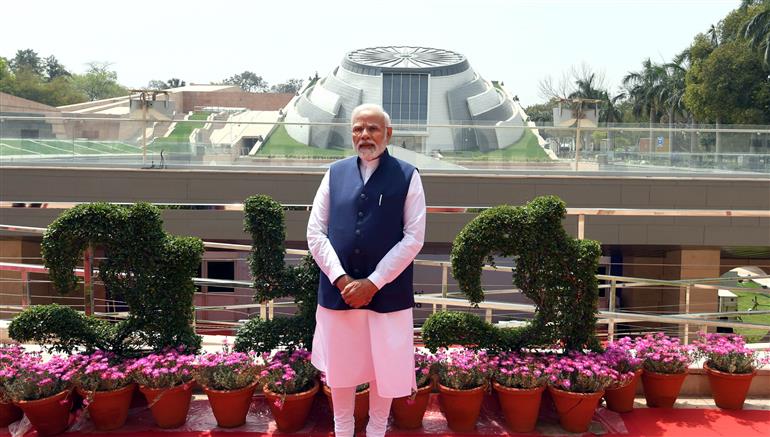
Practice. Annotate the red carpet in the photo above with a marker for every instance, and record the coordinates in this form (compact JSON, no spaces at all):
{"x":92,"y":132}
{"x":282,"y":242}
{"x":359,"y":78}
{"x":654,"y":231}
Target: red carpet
{"x":640,"y":422}
{"x":692,"y":422}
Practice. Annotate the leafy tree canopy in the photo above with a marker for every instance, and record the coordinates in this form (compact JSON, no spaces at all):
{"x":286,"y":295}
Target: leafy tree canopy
{"x":99,"y":82}
{"x":247,"y":81}
{"x":729,"y":86}
{"x":29,"y":60}
{"x":290,"y":86}
{"x":161,"y":85}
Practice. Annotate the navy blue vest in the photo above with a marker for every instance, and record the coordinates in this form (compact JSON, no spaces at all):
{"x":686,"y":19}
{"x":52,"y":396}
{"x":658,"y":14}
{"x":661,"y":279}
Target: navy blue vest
{"x":365,"y":222}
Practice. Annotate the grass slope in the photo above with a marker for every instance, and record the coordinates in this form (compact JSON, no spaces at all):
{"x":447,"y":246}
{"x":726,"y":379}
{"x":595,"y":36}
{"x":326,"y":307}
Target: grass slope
{"x":745,"y":302}
{"x":281,"y":144}
{"x":183,"y":129}
{"x":524,"y":150}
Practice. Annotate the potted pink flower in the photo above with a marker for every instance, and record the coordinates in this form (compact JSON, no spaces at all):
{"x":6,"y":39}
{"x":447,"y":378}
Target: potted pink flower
{"x":102,"y":379}
{"x":519,"y":381}
{"x":621,"y":356}
{"x":9,"y":356}
{"x":41,"y":388}
{"x":665,"y":361}
{"x":463,"y":376}
{"x":290,"y":384}
{"x":408,"y":411}
{"x":576,"y":383}
{"x":165,"y":379}
{"x":730,"y":367}
{"x":229,"y":380}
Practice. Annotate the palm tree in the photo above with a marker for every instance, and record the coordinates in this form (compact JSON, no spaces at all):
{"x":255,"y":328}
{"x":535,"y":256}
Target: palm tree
{"x":672,"y":93}
{"x":644,"y":89}
{"x":757,"y":29}
{"x":586,"y":88}
{"x":611,"y":114}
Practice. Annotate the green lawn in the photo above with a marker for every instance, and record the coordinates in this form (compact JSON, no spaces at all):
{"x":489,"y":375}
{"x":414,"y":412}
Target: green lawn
{"x":280,"y":144}
{"x":746,"y":301}
{"x":183,"y":129}
{"x":42,"y":147}
{"x":524,"y":150}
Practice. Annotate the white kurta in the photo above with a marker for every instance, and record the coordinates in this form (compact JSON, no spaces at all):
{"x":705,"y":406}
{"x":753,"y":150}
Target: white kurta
{"x":357,"y":346}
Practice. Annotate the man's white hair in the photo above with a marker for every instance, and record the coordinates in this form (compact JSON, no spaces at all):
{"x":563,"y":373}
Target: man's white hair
{"x":373,"y":107}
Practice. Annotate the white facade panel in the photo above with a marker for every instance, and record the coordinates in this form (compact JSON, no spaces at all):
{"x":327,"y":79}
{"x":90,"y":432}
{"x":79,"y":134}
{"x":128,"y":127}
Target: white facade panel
{"x":359,"y":78}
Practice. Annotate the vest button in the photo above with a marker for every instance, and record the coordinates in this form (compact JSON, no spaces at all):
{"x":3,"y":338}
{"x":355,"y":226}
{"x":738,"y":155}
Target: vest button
{"x":358,"y":232}
{"x":360,"y":213}
{"x":363,"y":196}
{"x":356,"y":251}
{"x":356,"y":271}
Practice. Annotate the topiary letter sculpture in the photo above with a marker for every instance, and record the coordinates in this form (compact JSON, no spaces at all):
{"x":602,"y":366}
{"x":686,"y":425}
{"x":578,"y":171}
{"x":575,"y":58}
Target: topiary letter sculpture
{"x":554,"y":270}
{"x":148,"y":268}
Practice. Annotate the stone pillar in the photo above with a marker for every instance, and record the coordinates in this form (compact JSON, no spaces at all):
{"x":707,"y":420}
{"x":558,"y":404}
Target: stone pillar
{"x":696,"y":263}
{"x":10,"y":282}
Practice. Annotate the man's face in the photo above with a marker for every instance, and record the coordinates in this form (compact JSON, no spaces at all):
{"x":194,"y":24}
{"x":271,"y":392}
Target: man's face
{"x":370,"y":136}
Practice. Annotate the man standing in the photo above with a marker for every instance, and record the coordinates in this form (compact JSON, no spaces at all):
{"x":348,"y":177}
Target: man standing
{"x":366,"y":226}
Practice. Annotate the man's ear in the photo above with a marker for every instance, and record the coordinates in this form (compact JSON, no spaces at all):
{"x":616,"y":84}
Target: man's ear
{"x":389,"y":134}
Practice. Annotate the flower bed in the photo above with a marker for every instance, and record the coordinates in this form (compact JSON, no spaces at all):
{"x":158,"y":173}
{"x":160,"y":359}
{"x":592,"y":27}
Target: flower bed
{"x":26,"y":377}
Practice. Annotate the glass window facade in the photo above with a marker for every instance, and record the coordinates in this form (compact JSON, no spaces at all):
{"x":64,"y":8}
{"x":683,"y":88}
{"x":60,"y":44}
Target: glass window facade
{"x":405,"y":98}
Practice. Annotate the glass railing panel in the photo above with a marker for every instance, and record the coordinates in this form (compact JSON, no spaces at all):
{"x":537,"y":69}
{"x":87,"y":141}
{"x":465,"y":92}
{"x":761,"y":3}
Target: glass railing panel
{"x":236,"y":139}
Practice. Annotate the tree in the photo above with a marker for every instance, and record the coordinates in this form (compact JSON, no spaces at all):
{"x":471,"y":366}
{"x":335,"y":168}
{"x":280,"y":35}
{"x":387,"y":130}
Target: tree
{"x":27,"y":59}
{"x":5,"y":70}
{"x":290,"y":86}
{"x":161,"y":85}
{"x":644,"y":89}
{"x":175,"y":83}
{"x":541,"y":113}
{"x":757,"y":29}
{"x":62,"y":91}
{"x":247,"y":81}
{"x":53,"y":68}
{"x":730,"y":86}
{"x":99,"y":82}
{"x":157,"y":85}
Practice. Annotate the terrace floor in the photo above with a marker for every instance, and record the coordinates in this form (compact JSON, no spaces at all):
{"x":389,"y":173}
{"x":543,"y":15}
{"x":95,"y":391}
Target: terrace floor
{"x":689,"y":417}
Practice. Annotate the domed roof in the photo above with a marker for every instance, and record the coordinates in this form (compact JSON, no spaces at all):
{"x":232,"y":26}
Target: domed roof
{"x":375,"y":60}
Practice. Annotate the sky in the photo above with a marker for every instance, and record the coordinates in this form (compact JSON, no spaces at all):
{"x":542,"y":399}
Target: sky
{"x":517,"y":42}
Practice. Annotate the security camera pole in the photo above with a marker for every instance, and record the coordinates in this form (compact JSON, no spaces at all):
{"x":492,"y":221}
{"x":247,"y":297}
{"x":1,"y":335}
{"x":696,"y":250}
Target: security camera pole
{"x":144,"y":97}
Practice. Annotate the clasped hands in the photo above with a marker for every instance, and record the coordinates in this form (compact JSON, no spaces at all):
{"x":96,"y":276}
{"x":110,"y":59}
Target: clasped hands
{"x":356,"y":292}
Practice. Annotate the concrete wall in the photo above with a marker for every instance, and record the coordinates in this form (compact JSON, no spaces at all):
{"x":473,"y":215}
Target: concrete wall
{"x":187,"y":101}
{"x":21,"y":184}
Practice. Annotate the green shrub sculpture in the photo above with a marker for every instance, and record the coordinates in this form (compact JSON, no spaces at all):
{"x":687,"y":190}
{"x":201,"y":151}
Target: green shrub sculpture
{"x":554,"y":270}
{"x":273,"y":279}
{"x":148,"y":268}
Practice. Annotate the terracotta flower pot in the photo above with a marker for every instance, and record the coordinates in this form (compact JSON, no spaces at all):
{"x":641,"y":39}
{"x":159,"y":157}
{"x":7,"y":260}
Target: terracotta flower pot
{"x":520,"y":406}
{"x":49,"y":416}
{"x":9,"y":413}
{"x":169,"y":406}
{"x":461,"y":407}
{"x":729,"y":389}
{"x":291,"y":411}
{"x":575,"y":409}
{"x":621,"y":399}
{"x":408,"y":412}
{"x":662,"y":389}
{"x":230,"y":407}
{"x":361,"y":409}
{"x":109,"y":409}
